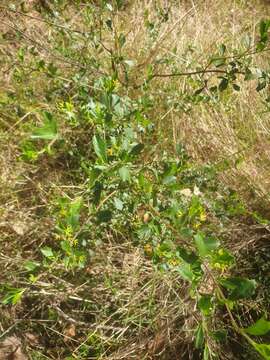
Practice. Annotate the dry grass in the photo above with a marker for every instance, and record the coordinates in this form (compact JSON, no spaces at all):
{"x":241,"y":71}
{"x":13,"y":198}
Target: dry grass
{"x":236,"y":128}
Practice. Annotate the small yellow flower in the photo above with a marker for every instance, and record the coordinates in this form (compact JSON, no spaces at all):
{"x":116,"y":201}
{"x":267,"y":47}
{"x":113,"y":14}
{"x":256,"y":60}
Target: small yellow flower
{"x":179,"y":213}
{"x":110,"y":151}
{"x":63,"y":213}
{"x":148,"y":249}
{"x":57,"y":237}
{"x":203,"y":216}
{"x":220,"y":252}
{"x":173,"y":262}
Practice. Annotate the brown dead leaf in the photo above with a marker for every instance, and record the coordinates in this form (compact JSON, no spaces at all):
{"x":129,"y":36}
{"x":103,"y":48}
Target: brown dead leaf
{"x":33,"y":339}
{"x":10,"y":349}
{"x":70,"y":331}
{"x":19,"y":227}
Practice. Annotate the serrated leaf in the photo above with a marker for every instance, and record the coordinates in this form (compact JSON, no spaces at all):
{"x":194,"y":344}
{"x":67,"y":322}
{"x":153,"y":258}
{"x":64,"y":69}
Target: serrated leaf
{"x":100,"y":148}
{"x":261,"y":327}
{"x":48,"y":131}
{"x":205,"y":244}
{"x":239,"y":288}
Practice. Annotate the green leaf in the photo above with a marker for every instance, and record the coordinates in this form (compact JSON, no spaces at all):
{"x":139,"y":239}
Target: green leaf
{"x":188,"y":256}
{"x":65,"y":245}
{"x":199,"y":337}
{"x":205,"y":304}
{"x":97,"y":190}
{"x":185,"y":271}
{"x":13,"y":296}
{"x":74,"y":213}
{"x":48,"y":131}
{"x":206,"y":353}
{"x":47,"y":252}
{"x":222,"y":49}
{"x":30,"y":265}
{"x":100,"y":147}
{"x":264,"y":27}
{"x":261,"y":85}
{"x":104,"y":216}
{"x":236,"y":87}
{"x":222,"y":259}
{"x":122,"y":40}
{"x":205,"y":245}
{"x":109,"y":23}
{"x":218,"y":61}
{"x":263,"y":349}
{"x":239,"y":288}
{"x":124,"y":173}
{"x":136,"y":149}
{"x":261,"y":327}
{"x":219,"y":335}
{"x":223,"y":84}
{"x":144,"y":183}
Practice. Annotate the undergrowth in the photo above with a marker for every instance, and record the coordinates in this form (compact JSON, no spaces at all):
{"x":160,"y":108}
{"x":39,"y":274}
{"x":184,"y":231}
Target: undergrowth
{"x":119,"y":241}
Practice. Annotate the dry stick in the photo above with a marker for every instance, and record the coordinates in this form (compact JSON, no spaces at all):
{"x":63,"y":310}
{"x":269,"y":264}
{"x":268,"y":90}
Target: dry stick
{"x":44,"y":20}
{"x":69,"y":319}
{"x":83,"y":33}
{"x":189,"y":73}
{"x":163,"y":37}
{"x":197,"y":72}
{"x":59,"y":333}
{"x":110,"y":317}
{"x":63,"y":59}
{"x":205,"y":70}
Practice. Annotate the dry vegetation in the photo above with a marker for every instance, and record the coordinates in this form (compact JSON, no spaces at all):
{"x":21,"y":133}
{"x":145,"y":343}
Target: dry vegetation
{"x":120,"y":304}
